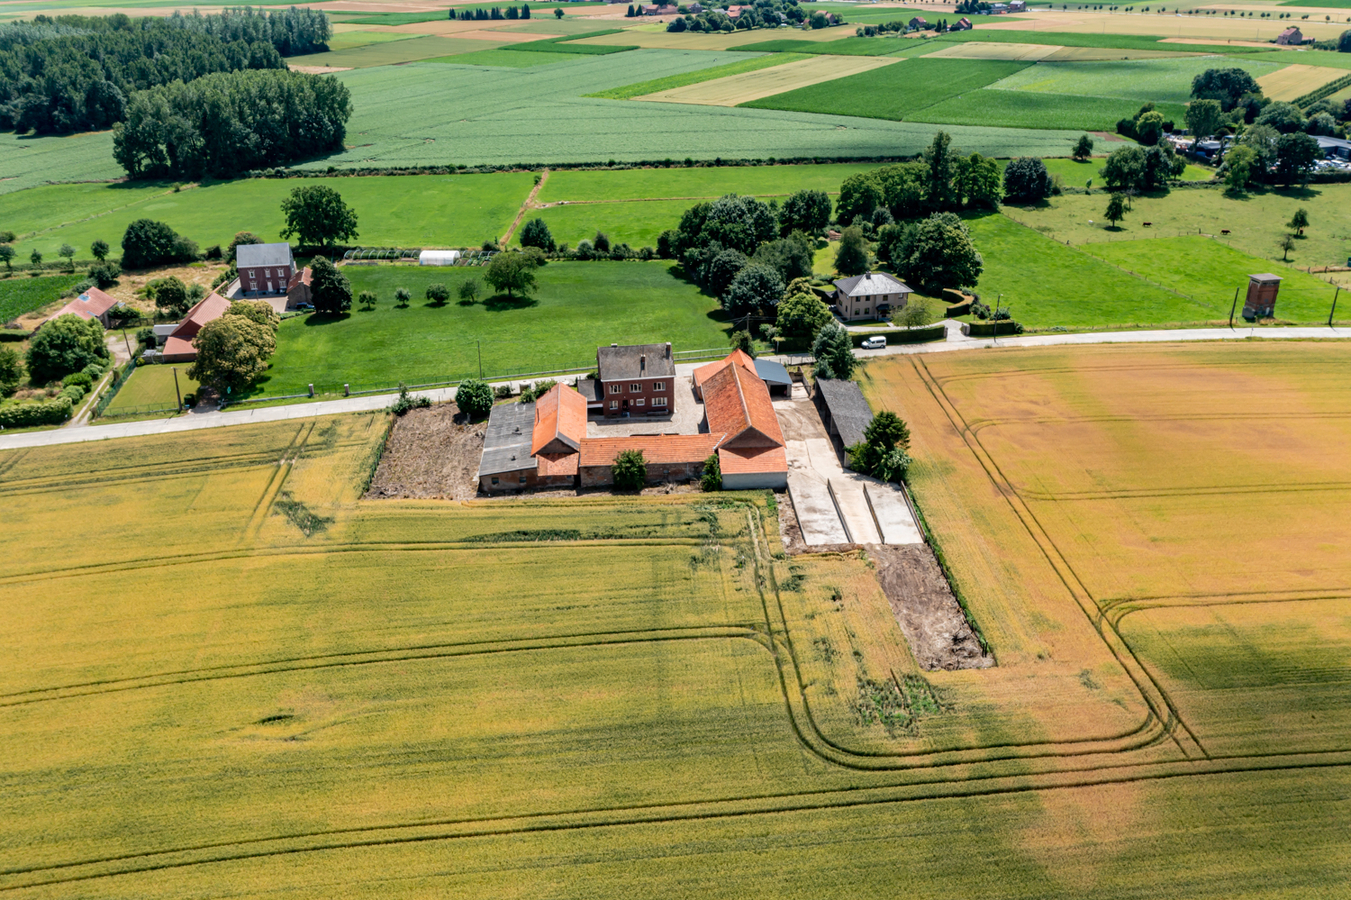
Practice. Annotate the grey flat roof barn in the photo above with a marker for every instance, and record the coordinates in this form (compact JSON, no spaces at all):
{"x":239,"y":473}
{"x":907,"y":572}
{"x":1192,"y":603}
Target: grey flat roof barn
{"x":506,"y":443}
{"x":775,"y":376}
{"x":846,"y":413}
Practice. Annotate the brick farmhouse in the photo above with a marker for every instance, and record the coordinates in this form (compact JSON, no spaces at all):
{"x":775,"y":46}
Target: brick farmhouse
{"x":179,"y":345}
{"x":633,"y":380}
{"x":544,"y":444}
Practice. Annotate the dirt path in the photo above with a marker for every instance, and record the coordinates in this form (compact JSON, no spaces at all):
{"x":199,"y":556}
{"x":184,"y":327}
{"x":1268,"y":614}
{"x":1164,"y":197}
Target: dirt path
{"x":528,"y":205}
{"x":925,"y":608}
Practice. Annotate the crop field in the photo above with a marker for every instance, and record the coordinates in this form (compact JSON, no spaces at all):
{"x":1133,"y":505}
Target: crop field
{"x":1296,"y":81}
{"x":20,"y":294}
{"x":576,"y":308}
{"x":347,"y":40}
{"x":1160,"y":26}
{"x":895,"y":92}
{"x":403,"y":210}
{"x":390,"y":126}
{"x":391,"y":53}
{"x":850,"y":46}
{"x":733,"y":90}
{"x":664,"y":40}
{"x":1152,"y":79}
{"x":1102,"y":41}
{"x":511,"y":59}
{"x":1005,"y":51}
{"x":1255,"y":222}
{"x":1209,"y":272}
{"x":31,"y":161}
{"x":417,"y":699}
{"x":752,"y":64}
{"x":1024,"y":109}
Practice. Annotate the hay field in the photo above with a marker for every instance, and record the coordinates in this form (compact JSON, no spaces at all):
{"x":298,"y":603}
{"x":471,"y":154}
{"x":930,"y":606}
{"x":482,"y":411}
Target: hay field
{"x":984,"y":50}
{"x":1196,"y":490}
{"x":736,"y":89}
{"x":236,"y":678}
{"x":1164,"y":26}
{"x":1296,"y":81}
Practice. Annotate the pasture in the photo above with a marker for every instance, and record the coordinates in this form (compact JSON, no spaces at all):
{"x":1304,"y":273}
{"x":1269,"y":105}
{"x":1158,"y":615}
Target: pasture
{"x":404,"y":210}
{"x":697,"y":182}
{"x":734,"y":90}
{"x":576,"y":308}
{"x":1255,"y":221}
{"x":416,"y":698}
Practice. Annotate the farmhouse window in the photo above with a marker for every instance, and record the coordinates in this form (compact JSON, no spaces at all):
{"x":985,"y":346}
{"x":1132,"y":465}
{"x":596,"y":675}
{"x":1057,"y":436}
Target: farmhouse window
{"x":494,"y":481}
{"x":659,"y":386}
{"x":635,"y":388}
{"x":658,"y":401}
{"x":253,"y":285}
{"x":614,"y":404}
{"x":267,"y":273}
{"x":522,"y":479}
{"x":616,"y":388}
{"x":639,"y":402}
{"x":252,"y":273}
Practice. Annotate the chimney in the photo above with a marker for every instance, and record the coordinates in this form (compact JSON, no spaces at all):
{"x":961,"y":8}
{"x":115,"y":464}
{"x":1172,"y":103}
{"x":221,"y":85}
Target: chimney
{"x":614,"y":346}
{"x":642,"y":363}
{"x":668,"y":349}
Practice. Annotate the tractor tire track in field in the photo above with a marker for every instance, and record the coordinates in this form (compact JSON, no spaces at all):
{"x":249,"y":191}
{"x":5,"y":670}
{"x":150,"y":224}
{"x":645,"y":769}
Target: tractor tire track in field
{"x":273,"y":487}
{"x":1151,"y":692}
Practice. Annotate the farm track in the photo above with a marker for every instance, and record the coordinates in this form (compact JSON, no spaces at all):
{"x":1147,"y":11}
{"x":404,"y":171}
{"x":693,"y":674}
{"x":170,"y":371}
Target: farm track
{"x":905,"y":777}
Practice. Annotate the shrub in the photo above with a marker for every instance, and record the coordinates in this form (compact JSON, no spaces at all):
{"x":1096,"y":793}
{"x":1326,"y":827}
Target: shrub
{"x":629,"y":470}
{"x":28,"y":415}
{"x":406,"y":402}
{"x":105,"y":274}
{"x":64,"y":345}
{"x":11,"y":371}
{"x":474,"y":398}
{"x":147,"y":243}
{"x":711,"y":480}
{"x":502,"y":392}
{"x":1026,"y":179}
{"x":531,"y":393}
{"x":469,"y":292}
{"x":77,"y":378}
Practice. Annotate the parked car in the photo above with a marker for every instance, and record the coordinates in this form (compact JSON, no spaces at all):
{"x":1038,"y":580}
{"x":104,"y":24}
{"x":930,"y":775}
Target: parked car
{"x":876,"y":342}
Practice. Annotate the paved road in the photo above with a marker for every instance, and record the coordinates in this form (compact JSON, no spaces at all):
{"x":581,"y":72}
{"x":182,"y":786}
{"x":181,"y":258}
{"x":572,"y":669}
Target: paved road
{"x":955,"y":341}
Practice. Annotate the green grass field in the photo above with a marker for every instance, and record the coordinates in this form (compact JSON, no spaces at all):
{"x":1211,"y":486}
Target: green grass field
{"x":393,"y":53}
{"x":348,"y":40}
{"x":636,"y":223}
{"x":893,"y":92}
{"x":1046,"y":284}
{"x":1123,"y":41}
{"x":27,"y":162}
{"x":754,"y":64}
{"x":150,"y":389}
{"x":21,"y":294}
{"x":661,"y":184}
{"x":1255,"y":221}
{"x":1078,"y":174}
{"x":576,"y":308}
{"x":405,"y":210}
{"x":1021,"y":109}
{"x":1159,"y":80}
{"x":1210,"y":273}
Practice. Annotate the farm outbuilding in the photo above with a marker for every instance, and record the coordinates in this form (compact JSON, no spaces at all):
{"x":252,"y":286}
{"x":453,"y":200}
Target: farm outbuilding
{"x":844,"y":411}
{"x":438,"y":257}
{"x":1261,"y":300}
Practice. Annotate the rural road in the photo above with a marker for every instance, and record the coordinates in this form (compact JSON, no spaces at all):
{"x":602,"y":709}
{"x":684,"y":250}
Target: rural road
{"x":955,"y":341}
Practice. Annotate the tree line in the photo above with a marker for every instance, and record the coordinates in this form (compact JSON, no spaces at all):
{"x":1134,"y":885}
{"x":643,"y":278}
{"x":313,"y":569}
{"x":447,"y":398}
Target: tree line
{"x":496,"y":14}
{"x":78,"y":73}
{"x":223,"y":124}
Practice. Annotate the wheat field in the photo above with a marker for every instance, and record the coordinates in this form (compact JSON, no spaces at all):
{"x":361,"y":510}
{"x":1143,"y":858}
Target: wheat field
{"x":736,"y":89}
{"x":228,"y":676}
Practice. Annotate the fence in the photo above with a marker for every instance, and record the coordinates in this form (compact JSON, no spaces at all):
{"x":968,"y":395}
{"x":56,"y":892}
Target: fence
{"x":119,"y":379}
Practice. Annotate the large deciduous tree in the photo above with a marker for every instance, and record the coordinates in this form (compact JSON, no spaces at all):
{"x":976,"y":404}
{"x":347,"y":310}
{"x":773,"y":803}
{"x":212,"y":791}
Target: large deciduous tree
{"x":330,"y":291}
{"x":536,"y":233}
{"x":802,"y":314}
{"x":316,"y":214}
{"x":805,"y":211}
{"x":1204,"y":117}
{"x":1026,"y":180}
{"x":513,"y":273}
{"x":64,"y":345}
{"x":938,"y":253}
{"x":147,"y":243}
{"x":232,"y":352}
{"x":834,"y":352}
{"x":852,"y":257}
{"x":754,"y":288}
{"x":1224,"y":85}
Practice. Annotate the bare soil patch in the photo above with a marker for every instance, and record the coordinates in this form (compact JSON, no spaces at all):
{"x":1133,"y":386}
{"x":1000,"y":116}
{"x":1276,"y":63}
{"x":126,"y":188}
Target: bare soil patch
{"x":430,"y":456}
{"x":926,"y":609}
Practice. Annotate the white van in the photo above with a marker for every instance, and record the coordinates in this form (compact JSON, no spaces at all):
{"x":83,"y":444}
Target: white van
{"x":876,"y":342}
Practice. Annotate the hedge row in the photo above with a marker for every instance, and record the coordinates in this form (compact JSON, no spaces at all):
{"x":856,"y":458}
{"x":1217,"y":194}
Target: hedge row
{"x":993,"y":329}
{"x":26,"y":415}
{"x":902,"y":335}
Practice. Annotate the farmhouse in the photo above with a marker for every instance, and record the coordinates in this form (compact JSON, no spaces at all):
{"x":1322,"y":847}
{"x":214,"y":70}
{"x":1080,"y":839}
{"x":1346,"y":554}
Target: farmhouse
{"x":92,"y":304}
{"x":1291,"y":37}
{"x":264,"y":269}
{"x":544,"y":444}
{"x":963,"y":24}
{"x":298,"y":289}
{"x":180,"y":346}
{"x":868,"y":296}
{"x":638,"y":379}
{"x":1334,"y":148}
{"x":918,"y":23}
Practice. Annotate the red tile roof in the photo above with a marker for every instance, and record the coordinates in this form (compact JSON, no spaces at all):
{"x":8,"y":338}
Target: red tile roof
{"x":703,"y":373}
{"x":89,"y":305}
{"x":301,"y":277}
{"x":207,"y":310}
{"x":737,"y":402}
{"x":658,"y":450}
{"x":560,"y":421}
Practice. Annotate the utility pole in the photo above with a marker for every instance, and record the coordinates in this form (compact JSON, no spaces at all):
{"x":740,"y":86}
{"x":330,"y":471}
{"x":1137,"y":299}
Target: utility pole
{"x":177,"y":392}
{"x":1334,"y":305}
{"x":130,"y":354}
{"x":1233,"y":309}
{"x":479,"y":341}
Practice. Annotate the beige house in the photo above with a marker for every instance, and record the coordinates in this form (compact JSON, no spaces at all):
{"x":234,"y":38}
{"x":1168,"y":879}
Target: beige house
{"x":870,"y":296}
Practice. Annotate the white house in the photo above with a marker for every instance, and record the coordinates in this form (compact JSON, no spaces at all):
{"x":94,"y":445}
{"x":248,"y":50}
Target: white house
{"x":869,"y":296}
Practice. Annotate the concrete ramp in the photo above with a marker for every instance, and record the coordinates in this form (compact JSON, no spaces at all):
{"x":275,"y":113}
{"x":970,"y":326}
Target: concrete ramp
{"x":853,"y":509}
{"x":892,"y":514}
{"x":816,"y":514}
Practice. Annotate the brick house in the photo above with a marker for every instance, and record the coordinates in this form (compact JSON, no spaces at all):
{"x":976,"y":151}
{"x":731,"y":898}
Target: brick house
{"x":264,"y":269}
{"x":298,"y":288}
{"x":1291,"y":37}
{"x":179,"y":346}
{"x":869,"y":296}
{"x":544,"y":444}
{"x":92,"y":304}
{"x":636,"y":380}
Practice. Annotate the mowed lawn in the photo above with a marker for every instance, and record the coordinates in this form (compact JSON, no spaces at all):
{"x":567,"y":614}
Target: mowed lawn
{"x":1047,"y":284}
{"x":1211,"y":272}
{"x":405,"y":210}
{"x":897,"y":91}
{"x":576,"y":308}
{"x":151,"y":388}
